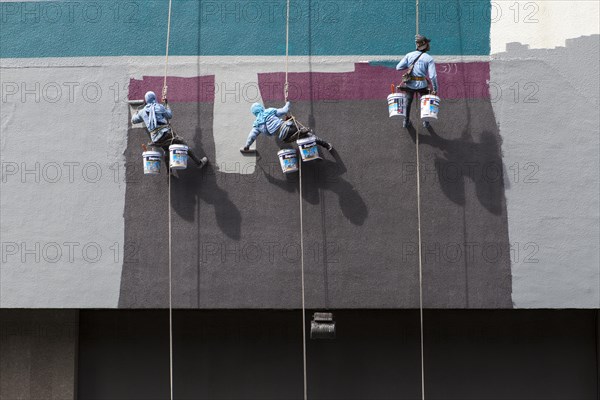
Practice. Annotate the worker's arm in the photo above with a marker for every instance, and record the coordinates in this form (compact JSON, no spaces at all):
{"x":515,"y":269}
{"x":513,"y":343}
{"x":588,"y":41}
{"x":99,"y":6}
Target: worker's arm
{"x":137,"y":117}
{"x":283,"y":111}
{"x":402,"y":64}
{"x":252,"y":137}
{"x":167,"y":111}
{"x":433,"y":75}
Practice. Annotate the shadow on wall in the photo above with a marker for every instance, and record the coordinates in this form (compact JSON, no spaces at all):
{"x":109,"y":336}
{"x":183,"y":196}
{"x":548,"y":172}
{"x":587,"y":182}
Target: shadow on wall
{"x":323,"y":175}
{"x":200,"y":186}
{"x":144,"y":276}
{"x":464,"y":151}
{"x":364,"y":205}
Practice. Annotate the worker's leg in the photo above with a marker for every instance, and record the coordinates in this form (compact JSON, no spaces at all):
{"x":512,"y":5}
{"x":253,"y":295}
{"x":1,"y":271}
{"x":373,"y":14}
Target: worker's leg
{"x":165,"y":150}
{"x":306,"y":133}
{"x":409,"y":100}
{"x":423,"y":92}
{"x":291,"y":134}
{"x":294,"y":134}
{"x":200,"y":162}
{"x":163,"y":144}
{"x":323,"y":143}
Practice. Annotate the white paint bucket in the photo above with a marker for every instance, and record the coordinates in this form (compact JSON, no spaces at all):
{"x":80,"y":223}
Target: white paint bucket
{"x":430,"y":106}
{"x":151,"y":162}
{"x":288,"y":159}
{"x":397,"y":104}
{"x":308,"y":148}
{"x":178,"y":156}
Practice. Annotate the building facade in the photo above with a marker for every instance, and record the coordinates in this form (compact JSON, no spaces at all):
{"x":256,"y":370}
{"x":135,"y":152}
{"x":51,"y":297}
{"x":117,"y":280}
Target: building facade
{"x":508,"y":189}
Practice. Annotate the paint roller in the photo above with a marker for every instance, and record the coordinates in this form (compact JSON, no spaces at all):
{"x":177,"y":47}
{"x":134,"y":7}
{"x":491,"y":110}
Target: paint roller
{"x":243,"y":150}
{"x":322,"y":326}
{"x":136,"y":105}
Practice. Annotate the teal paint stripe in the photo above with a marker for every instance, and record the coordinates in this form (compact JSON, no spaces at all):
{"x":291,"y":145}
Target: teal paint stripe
{"x":387,"y":64}
{"x":228,"y":27}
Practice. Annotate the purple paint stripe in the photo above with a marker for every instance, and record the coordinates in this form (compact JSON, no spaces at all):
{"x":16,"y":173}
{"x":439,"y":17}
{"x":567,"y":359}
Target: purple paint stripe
{"x":372,"y":82}
{"x":199,"y":89}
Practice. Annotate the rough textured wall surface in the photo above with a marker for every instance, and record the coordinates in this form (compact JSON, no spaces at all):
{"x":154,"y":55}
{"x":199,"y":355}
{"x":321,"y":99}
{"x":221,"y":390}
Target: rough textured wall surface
{"x":39,"y":354}
{"x":359,"y":214}
{"x":509,"y":188}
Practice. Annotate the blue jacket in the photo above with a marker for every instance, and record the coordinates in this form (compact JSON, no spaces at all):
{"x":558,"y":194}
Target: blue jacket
{"x":163,"y":114}
{"x":424,"y":67}
{"x":270,"y":126}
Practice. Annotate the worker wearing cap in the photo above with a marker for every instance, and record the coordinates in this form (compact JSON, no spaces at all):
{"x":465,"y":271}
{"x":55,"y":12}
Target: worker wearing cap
{"x":156,"y":117}
{"x":423,"y":67}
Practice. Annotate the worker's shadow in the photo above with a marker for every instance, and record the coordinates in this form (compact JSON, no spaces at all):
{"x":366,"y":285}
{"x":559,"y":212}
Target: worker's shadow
{"x":194,"y":185}
{"x":323,"y":175}
{"x":463,"y":158}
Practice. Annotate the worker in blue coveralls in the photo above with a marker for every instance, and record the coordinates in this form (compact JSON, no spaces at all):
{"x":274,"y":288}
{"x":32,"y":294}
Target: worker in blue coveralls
{"x":420,"y":66}
{"x":270,"y":123}
{"x":156,"y":117}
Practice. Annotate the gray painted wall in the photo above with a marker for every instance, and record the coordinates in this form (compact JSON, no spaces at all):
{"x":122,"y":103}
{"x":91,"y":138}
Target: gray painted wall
{"x":236,"y":237}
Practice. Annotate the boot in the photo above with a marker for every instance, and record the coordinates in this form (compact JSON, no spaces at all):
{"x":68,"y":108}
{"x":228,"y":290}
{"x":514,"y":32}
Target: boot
{"x":199,"y":162}
{"x":203,"y":162}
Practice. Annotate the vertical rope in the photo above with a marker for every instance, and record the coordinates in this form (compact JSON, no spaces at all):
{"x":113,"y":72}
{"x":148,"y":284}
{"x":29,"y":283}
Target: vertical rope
{"x":170,"y":295}
{"x":287,"y":51}
{"x":285,"y":94}
{"x":164,"y":92}
{"x":417,"y":16}
{"x":302,"y":278}
{"x":164,"y":95}
{"x":419,"y":235}
{"x":420,"y":269}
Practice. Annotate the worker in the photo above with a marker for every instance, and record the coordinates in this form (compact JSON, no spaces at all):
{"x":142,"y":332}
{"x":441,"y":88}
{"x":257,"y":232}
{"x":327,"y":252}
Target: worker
{"x":270,"y":123}
{"x":156,"y":117}
{"x":420,"y":66}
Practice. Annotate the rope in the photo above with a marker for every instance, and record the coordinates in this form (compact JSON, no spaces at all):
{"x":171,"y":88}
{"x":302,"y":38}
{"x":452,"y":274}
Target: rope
{"x":302,"y":277}
{"x":164,"y":92}
{"x":170,"y":295}
{"x":419,"y":235}
{"x":298,"y":126}
{"x":287,"y":50}
{"x":164,"y":95}
{"x":417,"y":16}
{"x":420,"y":270}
